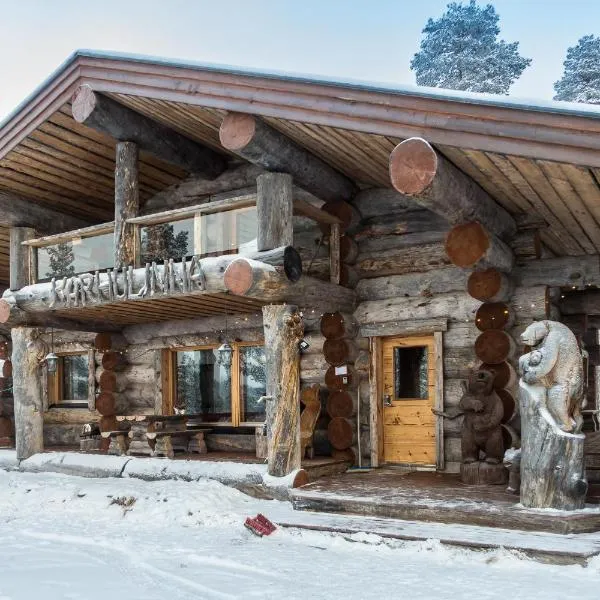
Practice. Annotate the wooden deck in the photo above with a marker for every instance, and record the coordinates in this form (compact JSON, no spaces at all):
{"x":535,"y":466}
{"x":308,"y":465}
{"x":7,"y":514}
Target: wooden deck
{"x":434,"y":497}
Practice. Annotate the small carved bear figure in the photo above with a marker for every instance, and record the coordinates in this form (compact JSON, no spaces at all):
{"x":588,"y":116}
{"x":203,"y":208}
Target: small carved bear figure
{"x":483,"y":412}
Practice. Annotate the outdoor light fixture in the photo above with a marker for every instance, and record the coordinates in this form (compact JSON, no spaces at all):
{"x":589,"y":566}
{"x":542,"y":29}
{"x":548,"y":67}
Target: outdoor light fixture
{"x":303,"y":345}
{"x":51,"y":358}
{"x":225,"y":350}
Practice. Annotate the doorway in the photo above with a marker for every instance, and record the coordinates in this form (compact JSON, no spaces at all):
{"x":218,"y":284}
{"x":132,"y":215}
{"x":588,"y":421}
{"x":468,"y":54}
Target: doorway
{"x":408,"y":394}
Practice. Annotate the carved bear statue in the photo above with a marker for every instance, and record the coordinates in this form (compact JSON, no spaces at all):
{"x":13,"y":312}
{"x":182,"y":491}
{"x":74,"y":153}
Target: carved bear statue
{"x":555,"y":362}
{"x":483,"y":412}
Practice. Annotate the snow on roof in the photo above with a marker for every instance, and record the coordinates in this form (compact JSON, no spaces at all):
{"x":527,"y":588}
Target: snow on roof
{"x":477,"y":98}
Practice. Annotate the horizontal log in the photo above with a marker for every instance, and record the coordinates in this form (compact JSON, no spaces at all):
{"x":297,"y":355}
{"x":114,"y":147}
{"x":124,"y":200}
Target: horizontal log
{"x":568,"y":271}
{"x":194,"y":189}
{"x":401,"y":260}
{"x":375,"y":202}
{"x":460,"y":335}
{"x":252,"y":139}
{"x":133,"y":285}
{"x":439,"y":281}
{"x":73,"y":416}
{"x":19,"y":211}
{"x":417,"y":170}
{"x":109,"y":117}
{"x":409,"y":327}
{"x":369,"y":246}
{"x":470,"y":245}
{"x":402,"y":223}
{"x":453,"y":306}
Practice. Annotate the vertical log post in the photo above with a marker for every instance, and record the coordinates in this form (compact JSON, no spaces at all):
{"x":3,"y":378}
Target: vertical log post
{"x":126,"y":203}
{"x":283,"y":330}
{"x":274,"y":207}
{"x":22,"y":268}
{"x":334,"y":254}
{"x":27,"y":391}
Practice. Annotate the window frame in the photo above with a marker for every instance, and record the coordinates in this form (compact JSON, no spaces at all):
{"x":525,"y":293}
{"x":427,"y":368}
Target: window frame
{"x":170,"y":390}
{"x":56,"y":382}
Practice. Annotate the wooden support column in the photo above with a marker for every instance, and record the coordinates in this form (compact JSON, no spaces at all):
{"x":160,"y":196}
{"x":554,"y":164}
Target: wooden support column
{"x":283,"y":330}
{"x":334,"y":253}
{"x":22,"y":267}
{"x":275,"y":208}
{"x":127,"y":203}
{"x":27,"y":390}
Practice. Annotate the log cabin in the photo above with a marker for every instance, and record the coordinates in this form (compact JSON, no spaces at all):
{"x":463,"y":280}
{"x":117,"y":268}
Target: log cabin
{"x":300,"y":267}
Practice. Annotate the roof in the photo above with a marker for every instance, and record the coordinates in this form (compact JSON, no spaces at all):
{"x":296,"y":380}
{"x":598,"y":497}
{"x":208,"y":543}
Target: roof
{"x":532,"y":157}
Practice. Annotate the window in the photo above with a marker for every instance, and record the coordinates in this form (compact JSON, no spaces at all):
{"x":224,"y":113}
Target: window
{"x":219,"y":387}
{"x":70,"y":384}
{"x":213,"y":234}
{"x":411,"y":372}
{"x":82,"y":255}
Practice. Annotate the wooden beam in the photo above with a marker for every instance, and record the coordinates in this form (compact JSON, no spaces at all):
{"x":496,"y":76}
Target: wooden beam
{"x":127,"y":203}
{"x":27,"y":353}
{"x":568,"y":271}
{"x":69,"y":236}
{"x":274,"y":208}
{"x":417,"y":170}
{"x":23,"y":269}
{"x":259,"y":143}
{"x":19,"y":211}
{"x":109,"y":117}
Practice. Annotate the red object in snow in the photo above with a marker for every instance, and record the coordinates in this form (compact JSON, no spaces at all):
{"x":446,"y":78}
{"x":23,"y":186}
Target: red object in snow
{"x":260,"y":525}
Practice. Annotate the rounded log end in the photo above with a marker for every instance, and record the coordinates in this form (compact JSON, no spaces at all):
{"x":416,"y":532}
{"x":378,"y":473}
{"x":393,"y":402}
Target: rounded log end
{"x":508,"y":403}
{"x":413,"y":165}
{"x":493,"y":346}
{"x":7,"y":369}
{"x":504,"y":374}
{"x":238,"y":277}
{"x":466,"y":244}
{"x":485,"y":285}
{"x":300,"y":479}
{"x":83,"y":103}
{"x":340,"y":433}
{"x":5,"y":308}
{"x":492,"y":315}
{"x":292,"y":264}
{"x":237,"y":131}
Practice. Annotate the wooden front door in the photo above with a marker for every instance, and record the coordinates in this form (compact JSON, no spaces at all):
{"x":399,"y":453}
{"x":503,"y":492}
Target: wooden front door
{"x":408,"y":395}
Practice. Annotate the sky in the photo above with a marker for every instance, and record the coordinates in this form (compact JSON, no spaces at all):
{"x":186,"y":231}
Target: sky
{"x":371,"y":40}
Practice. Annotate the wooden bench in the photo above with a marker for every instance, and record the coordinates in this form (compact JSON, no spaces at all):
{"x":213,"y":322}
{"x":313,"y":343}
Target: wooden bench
{"x":119,"y":442}
{"x":167,"y":442}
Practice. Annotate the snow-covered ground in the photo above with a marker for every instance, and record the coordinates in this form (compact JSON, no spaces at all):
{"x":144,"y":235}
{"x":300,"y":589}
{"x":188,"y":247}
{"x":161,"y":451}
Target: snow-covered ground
{"x":69,"y":537}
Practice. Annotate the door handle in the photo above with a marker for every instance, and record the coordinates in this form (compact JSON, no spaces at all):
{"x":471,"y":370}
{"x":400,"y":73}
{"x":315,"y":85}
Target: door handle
{"x":387,"y":400}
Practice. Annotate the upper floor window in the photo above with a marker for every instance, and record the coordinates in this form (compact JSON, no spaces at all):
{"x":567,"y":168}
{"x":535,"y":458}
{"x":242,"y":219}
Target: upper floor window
{"x":212,"y":234}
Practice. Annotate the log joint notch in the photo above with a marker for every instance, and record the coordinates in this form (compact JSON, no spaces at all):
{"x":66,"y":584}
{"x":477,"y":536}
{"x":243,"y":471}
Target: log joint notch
{"x":107,"y":116}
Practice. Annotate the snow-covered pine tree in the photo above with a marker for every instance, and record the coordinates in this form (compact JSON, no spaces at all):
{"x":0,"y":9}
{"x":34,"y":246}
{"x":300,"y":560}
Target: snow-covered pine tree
{"x":461,"y":51}
{"x":581,"y":78}
{"x":159,"y":242}
{"x":61,"y":260}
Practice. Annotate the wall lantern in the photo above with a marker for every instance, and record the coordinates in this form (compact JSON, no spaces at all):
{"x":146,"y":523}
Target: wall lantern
{"x":51,"y":358}
{"x":225,"y":353}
